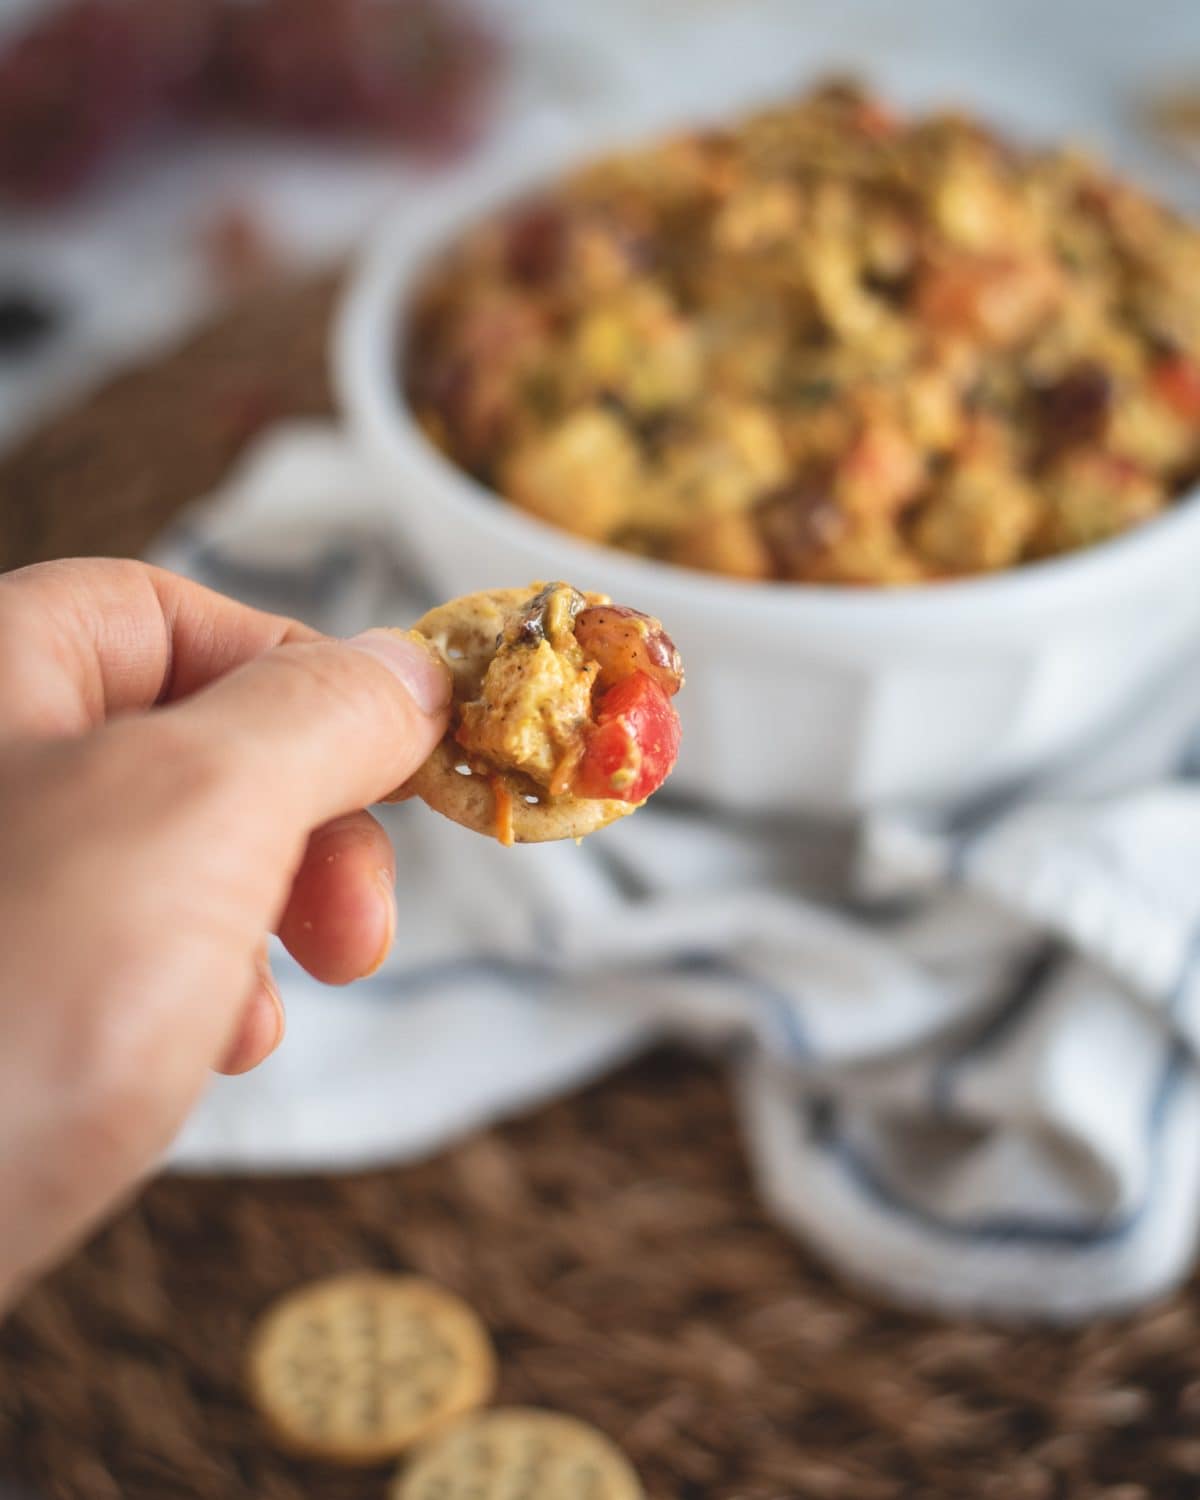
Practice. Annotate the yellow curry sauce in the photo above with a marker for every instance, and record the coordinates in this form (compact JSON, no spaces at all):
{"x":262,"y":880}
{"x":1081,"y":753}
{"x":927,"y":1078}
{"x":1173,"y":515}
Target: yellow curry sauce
{"x":535,"y":701}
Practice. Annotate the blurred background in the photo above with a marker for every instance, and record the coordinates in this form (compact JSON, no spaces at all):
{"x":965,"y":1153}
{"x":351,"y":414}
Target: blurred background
{"x":135,"y":191}
{"x":901,"y":982}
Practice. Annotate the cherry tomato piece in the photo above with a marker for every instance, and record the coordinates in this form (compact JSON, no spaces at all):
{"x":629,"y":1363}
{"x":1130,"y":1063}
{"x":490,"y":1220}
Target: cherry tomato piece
{"x":632,"y":748}
{"x":1176,"y":381}
{"x":625,"y":641}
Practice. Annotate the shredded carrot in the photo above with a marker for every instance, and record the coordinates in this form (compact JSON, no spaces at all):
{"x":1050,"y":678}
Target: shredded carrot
{"x":502,"y":797}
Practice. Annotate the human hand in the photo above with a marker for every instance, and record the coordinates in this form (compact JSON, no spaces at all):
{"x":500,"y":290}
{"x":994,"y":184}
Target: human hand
{"x":179,"y":776}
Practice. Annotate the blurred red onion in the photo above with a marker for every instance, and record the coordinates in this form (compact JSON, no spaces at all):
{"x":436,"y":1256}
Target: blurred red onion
{"x":416,"y":72}
{"x":78,"y":83}
{"x":72,"y":87}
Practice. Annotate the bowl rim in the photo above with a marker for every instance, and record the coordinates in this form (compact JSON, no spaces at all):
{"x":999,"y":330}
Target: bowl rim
{"x":369,"y":330}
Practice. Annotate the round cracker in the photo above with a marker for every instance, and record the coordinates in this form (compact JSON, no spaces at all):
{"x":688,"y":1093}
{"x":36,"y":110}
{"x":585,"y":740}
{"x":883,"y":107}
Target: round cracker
{"x":356,"y":1368}
{"x":519,"y":1451}
{"x":465,"y":632}
{"x":469,"y":799}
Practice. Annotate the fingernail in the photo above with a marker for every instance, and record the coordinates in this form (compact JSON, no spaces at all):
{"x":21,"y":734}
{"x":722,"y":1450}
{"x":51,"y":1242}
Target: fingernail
{"x":245,"y":1051}
{"x":280,"y":1020}
{"x":384,"y":881}
{"x":262,"y":967}
{"x":417,"y":665}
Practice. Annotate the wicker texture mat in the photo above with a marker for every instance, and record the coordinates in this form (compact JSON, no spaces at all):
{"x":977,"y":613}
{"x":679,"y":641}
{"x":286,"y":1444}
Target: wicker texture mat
{"x":611,"y":1241}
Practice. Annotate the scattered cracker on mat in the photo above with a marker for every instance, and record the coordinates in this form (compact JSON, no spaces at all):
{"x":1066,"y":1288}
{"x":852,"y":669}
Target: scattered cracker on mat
{"x":518,"y":1453}
{"x":356,"y":1368}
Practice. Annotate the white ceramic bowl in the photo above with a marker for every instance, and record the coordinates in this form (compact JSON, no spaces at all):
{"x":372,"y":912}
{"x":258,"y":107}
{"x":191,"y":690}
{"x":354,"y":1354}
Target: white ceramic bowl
{"x":798,"y":698}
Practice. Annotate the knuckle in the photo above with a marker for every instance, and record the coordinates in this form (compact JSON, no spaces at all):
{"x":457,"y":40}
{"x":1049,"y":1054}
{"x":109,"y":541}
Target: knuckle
{"x":63,"y":580}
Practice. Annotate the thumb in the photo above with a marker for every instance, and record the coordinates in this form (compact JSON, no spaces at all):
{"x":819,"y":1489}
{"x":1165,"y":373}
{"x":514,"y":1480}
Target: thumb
{"x":325,"y":727}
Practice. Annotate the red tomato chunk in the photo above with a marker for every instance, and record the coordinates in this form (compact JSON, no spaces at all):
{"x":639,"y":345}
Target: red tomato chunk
{"x":630,"y":752}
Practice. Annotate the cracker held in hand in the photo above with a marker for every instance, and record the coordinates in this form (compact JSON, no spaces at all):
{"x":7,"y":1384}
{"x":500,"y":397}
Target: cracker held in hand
{"x":519,"y":1452}
{"x":561,"y":719}
{"x":356,"y":1368}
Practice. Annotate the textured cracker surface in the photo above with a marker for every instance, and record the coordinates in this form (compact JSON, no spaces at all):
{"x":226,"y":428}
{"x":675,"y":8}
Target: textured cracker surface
{"x":360,"y":1367}
{"x":518,"y":1453}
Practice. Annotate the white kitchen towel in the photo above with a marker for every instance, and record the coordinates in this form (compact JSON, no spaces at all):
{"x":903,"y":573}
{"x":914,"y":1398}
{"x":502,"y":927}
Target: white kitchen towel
{"x":968,"y":1075}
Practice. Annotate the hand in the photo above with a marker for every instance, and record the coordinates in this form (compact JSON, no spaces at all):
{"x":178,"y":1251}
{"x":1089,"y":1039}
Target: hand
{"x":179,"y":776}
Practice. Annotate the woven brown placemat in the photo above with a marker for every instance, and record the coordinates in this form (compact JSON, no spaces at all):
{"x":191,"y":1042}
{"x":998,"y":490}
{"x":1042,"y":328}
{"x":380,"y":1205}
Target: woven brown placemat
{"x":104,"y":476}
{"x":612,"y":1241}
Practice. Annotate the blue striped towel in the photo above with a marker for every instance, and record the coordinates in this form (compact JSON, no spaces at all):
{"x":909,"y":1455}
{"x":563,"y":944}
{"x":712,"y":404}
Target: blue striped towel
{"x":963,"y":1051}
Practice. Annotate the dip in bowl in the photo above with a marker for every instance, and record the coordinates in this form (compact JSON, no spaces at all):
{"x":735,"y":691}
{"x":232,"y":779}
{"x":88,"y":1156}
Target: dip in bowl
{"x":736,"y":371}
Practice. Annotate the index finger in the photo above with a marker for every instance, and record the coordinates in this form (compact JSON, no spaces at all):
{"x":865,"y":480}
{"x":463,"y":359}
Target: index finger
{"x":84,"y":639}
